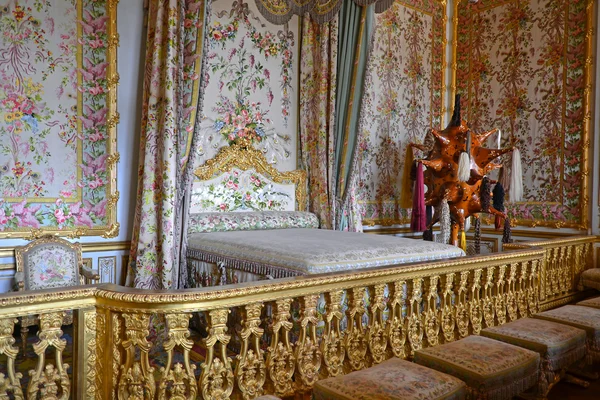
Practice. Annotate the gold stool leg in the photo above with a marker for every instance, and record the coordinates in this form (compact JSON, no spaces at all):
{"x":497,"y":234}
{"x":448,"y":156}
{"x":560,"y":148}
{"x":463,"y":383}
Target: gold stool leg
{"x":24,"y":331}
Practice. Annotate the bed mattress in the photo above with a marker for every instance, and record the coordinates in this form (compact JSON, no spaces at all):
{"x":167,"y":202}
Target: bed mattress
{"x":291,"y":252}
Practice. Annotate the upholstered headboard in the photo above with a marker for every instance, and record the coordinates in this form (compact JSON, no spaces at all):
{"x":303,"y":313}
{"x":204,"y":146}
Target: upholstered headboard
{"x":240,"y":179}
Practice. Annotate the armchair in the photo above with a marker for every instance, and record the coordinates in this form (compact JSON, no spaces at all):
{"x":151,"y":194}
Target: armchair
{"x":46,"y":263}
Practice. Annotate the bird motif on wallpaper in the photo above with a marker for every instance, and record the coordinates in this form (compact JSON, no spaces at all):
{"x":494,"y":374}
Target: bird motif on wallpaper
{"x":456,"y":172}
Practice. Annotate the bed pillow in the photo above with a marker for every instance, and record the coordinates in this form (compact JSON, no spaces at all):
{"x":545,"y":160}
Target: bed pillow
{"x":248,"y":221}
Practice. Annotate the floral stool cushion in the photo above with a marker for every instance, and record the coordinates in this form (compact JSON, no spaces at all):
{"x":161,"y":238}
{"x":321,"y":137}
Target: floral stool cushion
{"x":392,"y":379}
{"x":559,"y":345}
{"x":586,"y":318}
{"x":492,"y":370}
{"x":590,"y":278}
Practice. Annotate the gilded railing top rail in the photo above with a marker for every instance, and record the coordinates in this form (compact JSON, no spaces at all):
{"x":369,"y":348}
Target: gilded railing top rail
{"x":552,"y":242}
{"x":121,"y":298}
{"x":25,"y":302}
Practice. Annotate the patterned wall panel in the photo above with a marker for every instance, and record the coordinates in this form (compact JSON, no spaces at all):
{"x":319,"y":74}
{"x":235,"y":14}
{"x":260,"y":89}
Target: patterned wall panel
{"x":252,"y":91}
{"x":524,"y":67}
{"x":58,"y":117}
{"x":404,"y":95}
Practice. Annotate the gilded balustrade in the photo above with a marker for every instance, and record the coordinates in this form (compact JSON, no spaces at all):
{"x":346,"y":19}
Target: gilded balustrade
{"x":291,"y":332}
{"x":564,"y":261}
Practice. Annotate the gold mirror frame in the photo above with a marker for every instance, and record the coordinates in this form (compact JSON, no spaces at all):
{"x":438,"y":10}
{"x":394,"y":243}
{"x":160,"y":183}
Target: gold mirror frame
{"x":247,"y":157}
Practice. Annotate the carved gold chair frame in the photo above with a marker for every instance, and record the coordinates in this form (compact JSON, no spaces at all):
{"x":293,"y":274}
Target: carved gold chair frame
{"x":84,"y":275}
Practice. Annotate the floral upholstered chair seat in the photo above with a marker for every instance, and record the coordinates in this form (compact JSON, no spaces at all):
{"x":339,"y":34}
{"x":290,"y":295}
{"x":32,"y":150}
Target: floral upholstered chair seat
{"x":586,"y":318}
{"x":559,"y":345}
{"x":392,"y":379}
{"x":49,"y":263}
{"x":491,"y":369}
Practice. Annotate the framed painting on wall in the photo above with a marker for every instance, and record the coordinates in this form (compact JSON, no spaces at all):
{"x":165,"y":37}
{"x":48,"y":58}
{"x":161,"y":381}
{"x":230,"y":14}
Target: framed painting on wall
{"x":58,"y":118}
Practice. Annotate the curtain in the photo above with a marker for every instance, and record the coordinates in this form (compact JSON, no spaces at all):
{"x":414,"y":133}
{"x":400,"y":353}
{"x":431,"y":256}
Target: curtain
{"x":279,"y":12}
{"x":356,"y":27}
{"x":318,"y":72}
{"x":172,"y":104}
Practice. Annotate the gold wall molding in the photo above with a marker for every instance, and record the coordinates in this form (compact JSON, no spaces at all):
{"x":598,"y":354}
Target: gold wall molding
{"x":444,"y":301}
{"x":9,"y":251}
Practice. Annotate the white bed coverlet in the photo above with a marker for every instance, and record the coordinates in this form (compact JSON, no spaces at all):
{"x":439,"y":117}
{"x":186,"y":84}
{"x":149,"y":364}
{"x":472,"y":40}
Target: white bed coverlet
{"x":312,"y":251}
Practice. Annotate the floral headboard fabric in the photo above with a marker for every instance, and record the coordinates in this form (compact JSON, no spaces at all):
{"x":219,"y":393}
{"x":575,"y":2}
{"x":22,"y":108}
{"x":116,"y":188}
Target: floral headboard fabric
{"x":239,"y":190}
{"x":239,"y":179}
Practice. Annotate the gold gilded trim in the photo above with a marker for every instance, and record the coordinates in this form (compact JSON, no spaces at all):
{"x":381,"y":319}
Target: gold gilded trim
{"x":9,"y":251}
{"x":247,"y":157}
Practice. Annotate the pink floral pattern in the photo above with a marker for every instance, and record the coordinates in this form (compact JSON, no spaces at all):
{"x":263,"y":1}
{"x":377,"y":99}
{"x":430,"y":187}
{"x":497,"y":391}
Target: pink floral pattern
{"x":402,"y":99}
{"x":53,"y":115}
{"x":252,"y":101}
{"x":524,"y":73}
{"x":51,"y":266}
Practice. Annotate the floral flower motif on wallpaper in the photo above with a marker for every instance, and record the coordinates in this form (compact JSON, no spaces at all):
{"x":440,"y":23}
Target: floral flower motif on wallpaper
{"x":249,"y":105}
{"x":232,"y":193}
{"x":40,"y":122}
{"x":516,"y":77}
{"x":402,"y":99}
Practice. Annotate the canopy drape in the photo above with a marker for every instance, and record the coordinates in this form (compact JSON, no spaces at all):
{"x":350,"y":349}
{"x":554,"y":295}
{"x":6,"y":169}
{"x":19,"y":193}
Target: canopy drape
{"x":321,"y":11}
{"x":172,"y":106}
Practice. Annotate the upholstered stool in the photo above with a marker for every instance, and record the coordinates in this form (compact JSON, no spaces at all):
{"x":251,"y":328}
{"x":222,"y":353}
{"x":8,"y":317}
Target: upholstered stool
{"x":559,"y":346}
{"x":593,"y":302}
{"x":392,"y":379}
{"x":590,"y":278}
{"x":586,"y":318}
{"x":492,"y":370}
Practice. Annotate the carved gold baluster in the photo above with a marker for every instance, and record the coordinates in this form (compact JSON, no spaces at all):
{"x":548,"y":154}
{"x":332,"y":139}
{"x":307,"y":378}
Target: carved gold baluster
{"x":487,"y":302}
{"x":415,"y":325}
{"x":448,"y":319}
{"x":355,"y":340}
{"x":116,"y":351}
{"x":90,"y":330}
{"x":216,"y":379}
{"x":376,"y":336}
{"x":307,"y":352}
{"x":475,"y":313}
{"x":511,"y":298}
{"x":332,"y":344}
{"x":461,"y":307}
{"x":397,"y":322}
{"x":251,"y":369}
{"x":561,"y":273}
{"x":280,"y":359}
{"x":533,"y":288}
{"x":500,"y":299}
{"x":10,"y":385}
{"x":567,"y":271}
{"x":553,"y":286}
{"x":178,"y":382}
{"x":522,"y":290}
{"x":137,"y":379}
{"x":431,"y":317}
{"x":49,"y":381}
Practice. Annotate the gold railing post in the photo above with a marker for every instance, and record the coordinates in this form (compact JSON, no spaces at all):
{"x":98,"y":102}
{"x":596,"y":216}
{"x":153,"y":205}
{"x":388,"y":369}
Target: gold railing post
{"x":85,"y":360}
{"x":216,"y":379}
{"x":377,"y":334}
{"x":280,"y":358}
{"x":250,"y":369}
{"x":136,"y":378}
{"x":307,"y":352}
{"x":487,"y":303}
{"x":10,"y":384}
{"x":475,"y":314}
{"x":355,"y":340}
{"x":431,"y":315}
{"x":448,"y":317}
{"x":332,"y":343}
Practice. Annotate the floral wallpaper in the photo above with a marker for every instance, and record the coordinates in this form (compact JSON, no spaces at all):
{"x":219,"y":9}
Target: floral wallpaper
{"x":251,"y":94}
{"x":54,"y":112}
{"x":403,"y":98}
{"x":521,"y":67}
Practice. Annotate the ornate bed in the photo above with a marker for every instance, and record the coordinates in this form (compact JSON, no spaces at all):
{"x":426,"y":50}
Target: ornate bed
{"x":245,"y":224}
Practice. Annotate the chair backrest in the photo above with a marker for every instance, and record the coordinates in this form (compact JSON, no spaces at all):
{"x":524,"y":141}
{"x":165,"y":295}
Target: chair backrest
{"x":49,"y":262}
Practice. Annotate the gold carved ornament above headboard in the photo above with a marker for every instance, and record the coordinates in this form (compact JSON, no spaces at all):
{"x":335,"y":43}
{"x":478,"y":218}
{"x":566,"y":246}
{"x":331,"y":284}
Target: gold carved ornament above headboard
{"x":245,"y":158}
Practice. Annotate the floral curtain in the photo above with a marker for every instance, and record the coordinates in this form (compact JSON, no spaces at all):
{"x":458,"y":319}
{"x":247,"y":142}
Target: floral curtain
{"x":172,"y":103}
{"x":318,"y":74}
{"x":321,"y":11}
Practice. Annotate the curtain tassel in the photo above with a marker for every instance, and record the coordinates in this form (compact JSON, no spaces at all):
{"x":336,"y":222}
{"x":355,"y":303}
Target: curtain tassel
{"x":477,"y":235}
{"x":419,"y":217}
{"x":428,"y":235}
{"x":445,"y":225}
{"x":506,"y":235}
{"x":516,"y":178}
{"x":498,"y":198}
{"x":463,"y":241}
{"x":464,"y":161}
{"x":406,"y":190}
